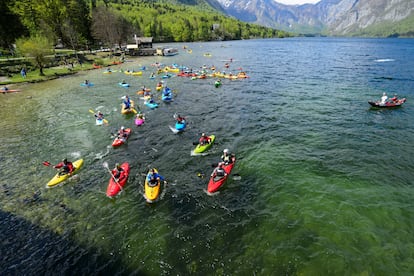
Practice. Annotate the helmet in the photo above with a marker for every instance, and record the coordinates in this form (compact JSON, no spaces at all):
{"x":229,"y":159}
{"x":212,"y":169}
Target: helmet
{"x":65,"y":160}
{"x":117,"y":165}
{"x":122,"y":127}
{"x":226,"y":150}
{"x":203,"y":134}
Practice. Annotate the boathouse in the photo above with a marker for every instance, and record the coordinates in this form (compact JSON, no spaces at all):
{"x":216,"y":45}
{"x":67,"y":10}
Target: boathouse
{"x":141,"y":47}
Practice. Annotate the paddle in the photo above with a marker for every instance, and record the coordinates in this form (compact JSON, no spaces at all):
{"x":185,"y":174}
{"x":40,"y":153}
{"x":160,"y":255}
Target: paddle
{"x":46,"y":163}
{"x":93,"y":112}
{"x":105,"y":165}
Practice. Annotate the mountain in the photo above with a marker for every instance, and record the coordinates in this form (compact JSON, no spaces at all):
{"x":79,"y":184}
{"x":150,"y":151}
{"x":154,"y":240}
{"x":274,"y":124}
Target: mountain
{"x":329,"y":17}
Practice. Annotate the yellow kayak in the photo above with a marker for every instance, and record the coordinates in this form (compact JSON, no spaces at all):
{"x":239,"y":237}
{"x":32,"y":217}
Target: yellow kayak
{"x":152,"y":191}
{"x":129,"y":110}
{"x":60,"y":178}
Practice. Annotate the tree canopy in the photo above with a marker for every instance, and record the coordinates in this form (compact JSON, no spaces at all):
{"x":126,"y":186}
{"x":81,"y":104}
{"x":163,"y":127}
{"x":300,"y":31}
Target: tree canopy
{"x":80,"y":23}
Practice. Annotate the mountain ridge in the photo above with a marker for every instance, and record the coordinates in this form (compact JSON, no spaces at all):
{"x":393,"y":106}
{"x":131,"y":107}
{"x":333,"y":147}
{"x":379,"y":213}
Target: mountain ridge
{"x":328,"y":17}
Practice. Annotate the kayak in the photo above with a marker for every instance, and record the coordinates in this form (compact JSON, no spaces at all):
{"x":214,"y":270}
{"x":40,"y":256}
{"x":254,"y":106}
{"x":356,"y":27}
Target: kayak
{"x":120,"y":141}
{"x":216,"y":182}
{"x":9,"y":91}
{"x":113,"y":187}
{"x":152,"y":191}
{"x":151,"y":105}
{"x":139,"y":121}
{"x":202,"y":148}
{"x":129,"y":110}
{"x":390,"y":104}
{"x":166,"y":95}
{"x":142,"y":91}
{"x":59,"y":178}
{"x":126,"y":85}
{"x":133,"y":73}
{"x":87,"y":84}
{"x":180,"y":126}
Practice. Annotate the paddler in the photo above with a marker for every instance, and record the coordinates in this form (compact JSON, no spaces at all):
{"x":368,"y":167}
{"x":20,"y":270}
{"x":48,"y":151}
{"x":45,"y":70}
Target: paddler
{"x":117,"y":171}
{"x":153,"y":177}
{"x":219,"y":170}
{"x":67,"y":167}
{"x":227,"y":157}
{"x":204,"y":139}
{"x":127,"y":102}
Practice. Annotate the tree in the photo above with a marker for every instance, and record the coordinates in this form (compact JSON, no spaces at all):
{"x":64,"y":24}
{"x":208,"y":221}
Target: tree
{"x":10,"y":25}
{"x":109,"y":27}
{"x":36,"y":48}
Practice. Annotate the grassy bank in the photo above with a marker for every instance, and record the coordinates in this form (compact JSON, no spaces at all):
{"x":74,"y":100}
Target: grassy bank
{"x":56,"y":69}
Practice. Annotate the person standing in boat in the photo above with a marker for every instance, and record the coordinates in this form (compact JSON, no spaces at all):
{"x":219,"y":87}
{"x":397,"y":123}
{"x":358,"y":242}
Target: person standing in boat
{"x":384,"y":98}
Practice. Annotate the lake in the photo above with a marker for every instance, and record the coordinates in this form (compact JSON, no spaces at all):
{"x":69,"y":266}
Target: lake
{"x":323,"y":183}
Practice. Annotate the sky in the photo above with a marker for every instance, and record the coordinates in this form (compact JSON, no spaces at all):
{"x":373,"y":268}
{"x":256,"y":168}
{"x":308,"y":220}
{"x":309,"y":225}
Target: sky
{"x":297,"y":2}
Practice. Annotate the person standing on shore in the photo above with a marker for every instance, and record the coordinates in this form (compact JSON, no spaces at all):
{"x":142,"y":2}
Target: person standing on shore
{"x":23,"y":73}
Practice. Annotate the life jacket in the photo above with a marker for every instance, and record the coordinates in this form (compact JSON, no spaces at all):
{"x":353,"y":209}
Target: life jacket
{"x":226,"y":158}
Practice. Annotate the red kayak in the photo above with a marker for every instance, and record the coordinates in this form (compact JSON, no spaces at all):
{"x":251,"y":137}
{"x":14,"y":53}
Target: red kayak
{"x":217,"y":181}
{"x":9,"y":91}
{"x":113,"y":187}
{"x":120,"y":141}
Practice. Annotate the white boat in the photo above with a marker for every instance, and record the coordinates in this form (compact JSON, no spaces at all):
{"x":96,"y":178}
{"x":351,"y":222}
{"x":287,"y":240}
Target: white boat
{"x":167,"y":51}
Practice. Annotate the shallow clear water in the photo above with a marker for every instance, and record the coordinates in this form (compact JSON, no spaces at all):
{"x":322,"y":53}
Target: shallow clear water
{"x":325,"y":186}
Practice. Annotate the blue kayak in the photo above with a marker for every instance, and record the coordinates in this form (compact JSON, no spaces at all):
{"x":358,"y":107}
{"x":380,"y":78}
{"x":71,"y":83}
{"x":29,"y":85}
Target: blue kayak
{"x":167,"y":95}
{"x":124,"y":84}
{"x":87,"y":84}
{"x":180,"y":126}
{"x":151,"y":105}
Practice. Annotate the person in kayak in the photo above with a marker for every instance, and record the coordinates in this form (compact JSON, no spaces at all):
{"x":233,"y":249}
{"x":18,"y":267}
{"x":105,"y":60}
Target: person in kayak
{"x":99,"y":115}
{"x":180,"y":119}
{"x":86,"y":82}
{"x":227,"y":158}
{"x":140,"y":116}
{"x":117,"y":172}
{"x":127,"y":102}
{"x":153,"y":177}
{"x":204,"y":139}
{"x":219,"y":170}
{"x":122,"y":134}
{"x":65,"y":166}
{"x":395,"y":98}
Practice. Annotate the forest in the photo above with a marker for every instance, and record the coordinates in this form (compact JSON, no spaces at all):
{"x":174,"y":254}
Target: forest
{"x":88,"y":24}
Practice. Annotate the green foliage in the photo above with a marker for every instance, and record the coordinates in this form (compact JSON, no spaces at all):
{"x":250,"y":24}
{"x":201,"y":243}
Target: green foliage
{"x":176,"y":22}
{"x":35,"y":48}
{"x":110,"y":22}
{"x":403,"y":28}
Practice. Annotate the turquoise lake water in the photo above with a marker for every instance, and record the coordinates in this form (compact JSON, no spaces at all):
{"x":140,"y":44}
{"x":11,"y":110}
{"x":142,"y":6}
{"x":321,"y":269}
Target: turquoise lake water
{"x":323,"y":184}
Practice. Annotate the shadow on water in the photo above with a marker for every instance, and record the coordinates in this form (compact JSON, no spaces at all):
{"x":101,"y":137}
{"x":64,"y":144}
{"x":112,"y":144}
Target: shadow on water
{"x":24,"y":242}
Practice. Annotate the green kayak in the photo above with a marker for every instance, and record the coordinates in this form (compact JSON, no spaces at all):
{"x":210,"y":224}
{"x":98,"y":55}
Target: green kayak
{"x":202,"y":148}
